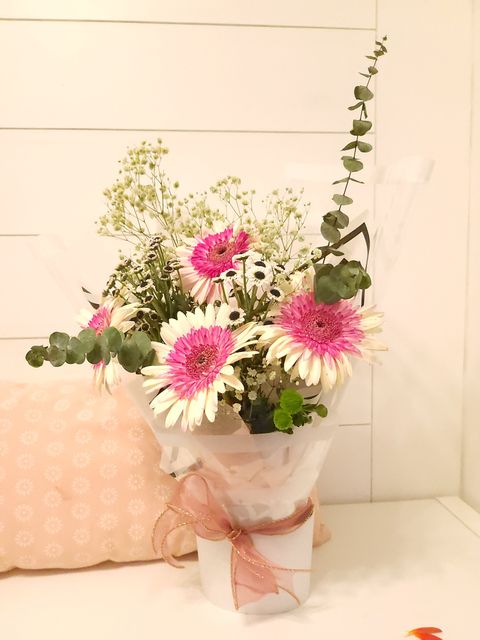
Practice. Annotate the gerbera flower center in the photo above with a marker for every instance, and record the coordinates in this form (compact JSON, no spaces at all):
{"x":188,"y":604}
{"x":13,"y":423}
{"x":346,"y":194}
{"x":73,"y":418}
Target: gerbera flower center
{"x":222,"y":253}
{"x":322,"y":326}
{"x":197,"y":358}
{"x":100,"y":320}
{"x":200,"y":360}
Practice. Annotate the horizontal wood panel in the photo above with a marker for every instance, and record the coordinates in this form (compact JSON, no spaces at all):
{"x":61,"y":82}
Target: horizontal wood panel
{"x":178,"y":77}
{"x":53,"y":181}
{"x":41,"y":287}
{"x":348,"y":13}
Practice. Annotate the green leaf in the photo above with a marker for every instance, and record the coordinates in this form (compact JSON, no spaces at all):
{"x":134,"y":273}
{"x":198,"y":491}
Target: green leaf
{"x":360,"y":127}
{"x":143,"y":342}
{"x":56,"y":356}
{"x":371,"y":57}
{"x":324,"y":291}
{"x":282,"y":420}
{"x":321,"y":410}
{"x":58,"y":339}
{"x":114,"y":339}
{"x":300,"y":418}
{"x":102,"y":342}
{"x":75,"y":352}
{"x":342,"y":220}
{"x":149,"y":358}
{"x":322,"y":269}
{"x":342,"y":179}
{"x":350,"y":145}
{"x":352,"y":164}
{"x":364,"y":146}
{"x":365,"y":75}
{"x":330,"y":233}
{"x":36,"y":356}
{"x":129,"y":355}
{"x":334,"y":252}
{"x":291,"y":401}
{"x":373,"y":70}
{"x":337,"y":219}
{"x":95,"y":355}
{"x":355,"y":106}
{"x":341,"y":199}
{"x":88,"y":338}
{"x":363,"y":93}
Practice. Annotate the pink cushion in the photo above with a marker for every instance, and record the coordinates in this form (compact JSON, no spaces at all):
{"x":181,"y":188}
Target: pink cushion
{"x":80,"y":481}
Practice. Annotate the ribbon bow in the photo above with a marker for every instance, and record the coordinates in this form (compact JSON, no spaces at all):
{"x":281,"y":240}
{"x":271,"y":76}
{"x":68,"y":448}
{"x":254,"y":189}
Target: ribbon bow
{"x":253,"y":575}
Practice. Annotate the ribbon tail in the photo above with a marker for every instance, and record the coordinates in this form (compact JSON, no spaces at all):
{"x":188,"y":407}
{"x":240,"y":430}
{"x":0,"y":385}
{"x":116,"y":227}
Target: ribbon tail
{"x":166,"y":524}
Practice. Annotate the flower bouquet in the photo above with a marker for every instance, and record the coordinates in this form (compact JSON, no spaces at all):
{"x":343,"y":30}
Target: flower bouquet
{"x":239,"y":333}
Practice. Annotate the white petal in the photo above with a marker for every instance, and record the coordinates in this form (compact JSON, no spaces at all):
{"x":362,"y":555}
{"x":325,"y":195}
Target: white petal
{"x":174,"y":413}
{"x":169,"y":335}
{"x":232,"y":381}
{"x":211,"y":405}
{"x":303,"y":364}
{"x":209,"y":315}
{"x":239,"y":355}
{"x":315,"y":369}
{"x":227,"y":370}
{"x":183,"y":322}
{"x":223,"y":315}
{"x":291,"y":358}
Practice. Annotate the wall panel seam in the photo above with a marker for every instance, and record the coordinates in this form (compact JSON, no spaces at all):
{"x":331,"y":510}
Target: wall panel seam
{"x":151,"y":130}
{"x":181,"y":23}
{"x":466,"y":324}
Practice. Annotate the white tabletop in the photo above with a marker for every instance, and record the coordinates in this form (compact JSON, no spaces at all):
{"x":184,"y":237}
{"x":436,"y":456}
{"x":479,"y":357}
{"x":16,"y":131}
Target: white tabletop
{"x":389,"y":567}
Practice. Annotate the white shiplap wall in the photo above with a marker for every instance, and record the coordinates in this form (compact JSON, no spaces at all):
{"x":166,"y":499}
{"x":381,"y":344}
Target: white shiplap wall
{"x":252,"y":89}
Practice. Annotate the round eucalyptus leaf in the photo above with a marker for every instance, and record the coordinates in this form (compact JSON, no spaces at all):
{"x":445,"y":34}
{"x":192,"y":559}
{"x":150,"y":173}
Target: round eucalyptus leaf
{"x":59,"y":339}
{"x":364,"y":146}
{"x":130,"y":356}
{"x":36,"y":356}
{"x":88,"y":338}
{"x":113,"y":339}
{"x":360,"y":127}
{"x":362,"y":93}
{"x":352,"y":164}
{"x":330,"y":233}
{"x":56,"y":356}
{"x":341,"y":199}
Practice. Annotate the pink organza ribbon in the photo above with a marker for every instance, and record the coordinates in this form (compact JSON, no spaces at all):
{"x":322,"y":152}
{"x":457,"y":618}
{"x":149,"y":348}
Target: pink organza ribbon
{"x":252,"y":575}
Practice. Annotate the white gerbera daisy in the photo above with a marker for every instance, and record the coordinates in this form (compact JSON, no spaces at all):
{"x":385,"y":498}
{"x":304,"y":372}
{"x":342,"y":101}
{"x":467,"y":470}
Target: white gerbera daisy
{"x":196,"y":364}
{"x":206,"y":259}
{"x":111,"y":313}
{"x":317,"y":339}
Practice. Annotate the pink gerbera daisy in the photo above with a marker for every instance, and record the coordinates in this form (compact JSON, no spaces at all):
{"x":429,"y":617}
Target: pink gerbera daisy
{"x":196,"y":363}
{"x":317,"y":339}
{"x":207,"y":259}
{"x":111,"y":313}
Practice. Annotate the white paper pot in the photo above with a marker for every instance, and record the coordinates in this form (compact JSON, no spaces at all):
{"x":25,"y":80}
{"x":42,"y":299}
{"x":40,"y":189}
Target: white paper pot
{"x":256,"y":479}
{"x":262,"y":478}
